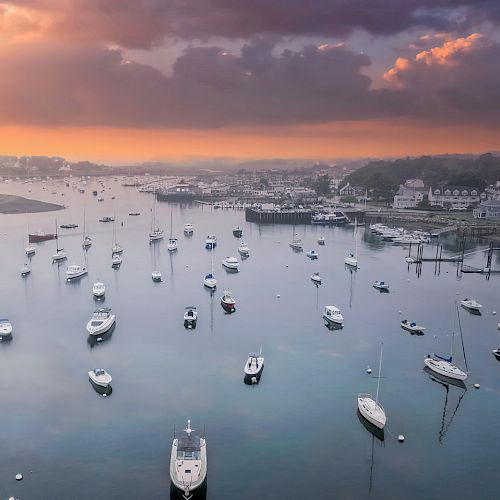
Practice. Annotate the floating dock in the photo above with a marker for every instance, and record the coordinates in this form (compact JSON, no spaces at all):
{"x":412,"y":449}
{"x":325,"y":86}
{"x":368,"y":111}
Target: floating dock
{"x":283,"y":216}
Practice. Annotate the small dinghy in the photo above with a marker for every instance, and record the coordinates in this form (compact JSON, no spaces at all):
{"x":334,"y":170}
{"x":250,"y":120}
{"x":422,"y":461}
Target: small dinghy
{"x":412,"y":327}
{"x":5,"y":328}
{"x":297,"y":244}
{"x":312,"y":254}
{"x":253,"y":367}
{"x":100,"y":377}
{"x":244,"y":250}
{"x":98,"y":290}
{"x":190,"y":317}
{"x":321,"y":240}
{"x":381,"y":285}
{"x":209,"y":281}
{"x":227,"y":302}
{"x":316,"y":278}
{"x":156,"y":276}
{"x":102,"y":320}
{"x":188,"y":228}
{"x":471,"y":305}
{"x":238,"y":232}
{"x":211,"y":242}
{"x":231,"y":263}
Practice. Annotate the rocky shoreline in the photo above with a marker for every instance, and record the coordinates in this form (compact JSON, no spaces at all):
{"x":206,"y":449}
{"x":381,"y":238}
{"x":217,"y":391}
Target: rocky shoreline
{"x":11,"y":204}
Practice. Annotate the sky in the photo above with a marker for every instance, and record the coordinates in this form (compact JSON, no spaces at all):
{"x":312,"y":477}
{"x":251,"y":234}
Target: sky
{"x":144,"y":80}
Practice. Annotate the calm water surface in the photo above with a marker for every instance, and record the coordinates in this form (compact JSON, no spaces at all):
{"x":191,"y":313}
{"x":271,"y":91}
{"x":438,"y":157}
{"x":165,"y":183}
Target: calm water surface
{"x":297,"y":434}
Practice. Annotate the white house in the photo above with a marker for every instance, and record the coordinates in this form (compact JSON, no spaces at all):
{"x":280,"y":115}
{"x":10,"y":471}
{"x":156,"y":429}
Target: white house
{"x":410,"y":194}
{"x":489,"y":209}
{"x":454,"y":197}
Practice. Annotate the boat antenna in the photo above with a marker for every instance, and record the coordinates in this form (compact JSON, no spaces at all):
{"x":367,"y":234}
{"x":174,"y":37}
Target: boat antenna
{"x":461,"y":335}
{"x":379,"y":371}
{"x":188,"y":429}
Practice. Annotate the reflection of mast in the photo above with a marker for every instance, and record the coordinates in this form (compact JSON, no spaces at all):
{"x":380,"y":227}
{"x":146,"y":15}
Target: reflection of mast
{"x":351,"y":291}
{"x":371,"y":465}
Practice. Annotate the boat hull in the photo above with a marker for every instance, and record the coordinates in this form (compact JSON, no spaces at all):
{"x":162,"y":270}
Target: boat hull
{"x":76,"y":275}
{"x":105,"y":327}
{"x":376,"y":418}
{"x":445,"y":369}
{"x":228,"y":306}
{"x":36,"y":238}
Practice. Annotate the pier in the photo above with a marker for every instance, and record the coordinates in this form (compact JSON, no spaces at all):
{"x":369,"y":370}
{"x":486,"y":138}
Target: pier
{"x":282,"y":216}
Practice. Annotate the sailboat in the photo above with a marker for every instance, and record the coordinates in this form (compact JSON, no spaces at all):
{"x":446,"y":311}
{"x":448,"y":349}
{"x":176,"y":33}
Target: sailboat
{"x":87,"y":240}
{"x":29,"y":249}
{"x":116,"y":248}
{"x":443,"y":366}
{"x":155,"y":232}
{"x":172,"y":242}
{"x":209,"y":281}
{"x":60,"y":253}
{"x":369,"y":407}
{"x":352,"y":259}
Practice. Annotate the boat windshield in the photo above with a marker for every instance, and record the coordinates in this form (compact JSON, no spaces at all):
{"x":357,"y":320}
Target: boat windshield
{"x":188,"y":455}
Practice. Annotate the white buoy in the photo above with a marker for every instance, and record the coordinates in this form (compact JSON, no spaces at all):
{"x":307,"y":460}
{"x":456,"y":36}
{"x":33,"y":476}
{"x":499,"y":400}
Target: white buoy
{"x":254,"y":380}
{"x":368,"y":370}
{"x":99,"y":339}
{"x":401,"y":438}
{"x":399,"y":312}
{"x":19,"y":477}
{"x":476,"y":386}
{"x":104,"y":395}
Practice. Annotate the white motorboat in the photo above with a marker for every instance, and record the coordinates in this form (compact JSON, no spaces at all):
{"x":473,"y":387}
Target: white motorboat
{"x":333,"y":315}
{"x":172,"y":242}
{"x":253,"y":367}
{"x":471,"y":305}
{"x":316,"y":278}
{"x":351,"y":261}
{"x":59,"y":255}
{"x":5,"y":328}
{"x":155,"y":234}
{"x":211,"y":242}
{"x":25,"y":270}
{"x":75,"y":271}
{"x":190,"y":317}
{"x":369,"y":407}
{"x":156,"y":276}
{"x":100,"y":377}
{"x":231,"y":263}
{"x":227,"y":301}
{"x":244,"y":250}
{"x":312,"y":254}
{"x":102,"y":320}
{"x":209,"y":281}
{"x":409,"y":260}
{"x":444,"y":366}
{"x":116,"y":260}
{"x":406,"y":240}
{"x":188,"y":463}
{"x":116,"y":248}
{"x":98,"y":289}
{"x":321,"y":240}
{"x":412,"y":327}
{"x":381,"y":285}
{"x":30,"y":250}
{"x":297,"y":244}
{"x":188,"y":228}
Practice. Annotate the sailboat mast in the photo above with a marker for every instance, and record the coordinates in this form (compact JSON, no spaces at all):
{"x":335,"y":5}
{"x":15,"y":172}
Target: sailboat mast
{"x":461,"y":336}
{"x":170,"y":224}
{"x":57,"y":239}
{"x":355,"y":238}
{"x":379,"y":371}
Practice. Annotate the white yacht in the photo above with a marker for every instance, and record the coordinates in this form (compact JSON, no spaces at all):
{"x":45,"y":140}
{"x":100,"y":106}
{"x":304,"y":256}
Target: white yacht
{"x":297,"y":244}
{"x":188,"y":463}
{"x":190,"y":317}
{"x":211,"y":242}
{"x":75,"y":271}
{"x":253,"y":367}
{"x":5,"y":328}
{"x":381,"y":285}
{"x":316,"y":278}
{"x":312,"y":254}
{"x":102,"y":320}
{"x":369,"y":407}
{"x":231,"y":263}
{"x":244,"y":250}
{"x":98,"y":290}
{"x":156,"y":276}
{"x":188,"y":228}
{"x":471,"y":305}
{"x":333,"y":315}
{"x":30,"y":250}
{"x":321,"y":240}
{"x":412,"y":327}
{"x":59,"y":255}
{"x":116,"y":260}
{"x":25,"y":270}
{"x":100,"y":377}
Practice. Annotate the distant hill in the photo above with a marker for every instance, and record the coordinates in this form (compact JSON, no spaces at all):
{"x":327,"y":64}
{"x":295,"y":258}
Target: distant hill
{"x":382,"y":178}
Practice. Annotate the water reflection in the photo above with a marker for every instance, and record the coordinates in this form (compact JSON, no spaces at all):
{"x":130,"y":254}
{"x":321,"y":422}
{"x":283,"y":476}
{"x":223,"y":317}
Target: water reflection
{"x":102,"y":391}
{"x":372,"y":429}
{"x":93,"y":340}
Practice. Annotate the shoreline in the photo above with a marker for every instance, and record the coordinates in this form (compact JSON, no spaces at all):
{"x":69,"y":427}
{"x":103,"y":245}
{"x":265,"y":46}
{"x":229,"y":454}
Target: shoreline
{"x":12,"y":204}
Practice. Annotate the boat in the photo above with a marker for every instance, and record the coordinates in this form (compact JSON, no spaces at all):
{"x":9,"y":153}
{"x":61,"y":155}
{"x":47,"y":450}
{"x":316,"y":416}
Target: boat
{"x":68,"y":226}
{"x":172,"y":242}
{"x":412,"y":327}
{"x":190,"y":317}
{"x":188,"y":228}
{"x":87,"y":240}
{"x":188,"y":463}
{"x":369,"y":407}
{"x":155,"y":233}
{"x":316,"y":278}
{"x":100,"y":377}
{"x":30,"y":250}
{"x":106,"y":219}
{"x":254,"y":367}
{"x":297,"y":244}
{"x":238,"y":232}
{"x":496,"y":353}
{"x":406,"y":240}
{"x":333,"y":315}
{"x":98,"y":290}
{"x":116,"y":248}
{"x":116,"y":260}
{"x":75,"y":271}
{"x":102,"y":320}
{"x":471,"y":305}
{"x":244,"y":250}
{"x":381,"y":285}
{"x":94,"y":193}
{"x":443,"y":366}
{"x":336,"y":218}
{"x":156,"y":276}
{"x":209,"y":281}
{"x":352,"y":259}
{"x":60,"y":253}
{"x":180,"y":192}
{"x":40,"y":236}
{"x":312,"y":254}
{"x":5,"y":328}
{"x":231,"y":263}
{"x":321,"y":240}
{"x":25,"y":270}
{"x":100,"y":199}
{"x":227,"y":301}
{"x":134,"y":214}
{"x":211,"y":242}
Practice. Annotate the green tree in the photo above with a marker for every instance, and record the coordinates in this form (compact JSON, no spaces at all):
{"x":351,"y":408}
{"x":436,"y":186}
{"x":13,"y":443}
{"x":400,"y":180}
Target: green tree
{"x":322,"y":185}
